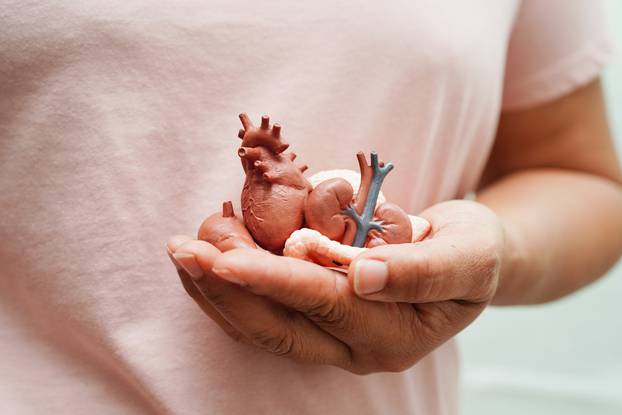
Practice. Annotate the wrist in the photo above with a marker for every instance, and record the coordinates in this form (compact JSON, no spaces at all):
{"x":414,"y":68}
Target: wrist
{"x":513,"y":263}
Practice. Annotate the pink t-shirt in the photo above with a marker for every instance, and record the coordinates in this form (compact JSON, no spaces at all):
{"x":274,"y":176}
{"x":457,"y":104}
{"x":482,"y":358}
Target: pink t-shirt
{"x":118,"y":128}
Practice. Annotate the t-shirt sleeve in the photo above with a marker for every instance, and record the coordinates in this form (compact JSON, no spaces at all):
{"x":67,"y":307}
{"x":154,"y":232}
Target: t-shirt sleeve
{"x":555,"y":47}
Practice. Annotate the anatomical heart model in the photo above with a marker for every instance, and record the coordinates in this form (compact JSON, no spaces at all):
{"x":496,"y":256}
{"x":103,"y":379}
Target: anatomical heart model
{"x":327,"y":219}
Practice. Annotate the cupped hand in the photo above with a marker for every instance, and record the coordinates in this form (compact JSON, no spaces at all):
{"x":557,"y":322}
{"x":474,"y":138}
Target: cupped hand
{"x":397,"y":304}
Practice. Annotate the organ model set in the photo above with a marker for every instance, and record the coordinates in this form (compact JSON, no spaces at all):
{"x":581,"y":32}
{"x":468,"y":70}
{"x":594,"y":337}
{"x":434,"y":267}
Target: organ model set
{"x":327,"y":219}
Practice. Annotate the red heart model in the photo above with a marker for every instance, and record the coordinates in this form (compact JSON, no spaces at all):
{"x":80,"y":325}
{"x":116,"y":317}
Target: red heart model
{"x":278,"y":200}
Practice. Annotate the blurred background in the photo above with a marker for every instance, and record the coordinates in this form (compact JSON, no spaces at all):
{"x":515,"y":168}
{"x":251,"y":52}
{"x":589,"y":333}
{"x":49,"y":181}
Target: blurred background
{"x":559,"y":358}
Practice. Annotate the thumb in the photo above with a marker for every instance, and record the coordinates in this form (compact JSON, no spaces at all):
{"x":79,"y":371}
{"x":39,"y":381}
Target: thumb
{"x":437,"y":269}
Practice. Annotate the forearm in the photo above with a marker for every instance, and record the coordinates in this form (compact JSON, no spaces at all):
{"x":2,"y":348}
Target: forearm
{"x":563,"y":230}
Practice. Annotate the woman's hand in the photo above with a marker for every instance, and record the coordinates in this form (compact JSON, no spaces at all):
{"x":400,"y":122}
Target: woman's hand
{"x":398,"y":303}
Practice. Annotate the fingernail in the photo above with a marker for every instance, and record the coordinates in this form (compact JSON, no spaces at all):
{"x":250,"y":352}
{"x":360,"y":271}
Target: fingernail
{"x":189,"y":263}
{"x":370,"y":276}
{"x":226,"y":274}
{"x":173,"y":260}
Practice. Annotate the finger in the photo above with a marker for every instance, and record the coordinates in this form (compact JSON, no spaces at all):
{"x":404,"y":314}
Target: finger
{"x":323,"y":296}
{"x":171,"y":247}
{"x":266,"y":324}
{"x":175,"y":242}
{"x":292,"y":282}
{"x":437,"y":269}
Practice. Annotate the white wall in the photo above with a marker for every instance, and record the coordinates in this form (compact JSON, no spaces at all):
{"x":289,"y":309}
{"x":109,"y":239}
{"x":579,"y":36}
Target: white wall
{"x":560,"y":358}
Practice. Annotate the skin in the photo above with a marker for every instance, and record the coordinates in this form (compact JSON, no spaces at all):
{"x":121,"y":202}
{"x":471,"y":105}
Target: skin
{"x":546,"y":222}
